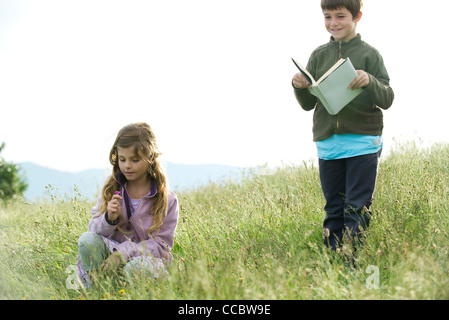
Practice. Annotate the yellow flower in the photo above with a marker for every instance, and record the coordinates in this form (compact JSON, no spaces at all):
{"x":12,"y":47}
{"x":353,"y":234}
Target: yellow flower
{"x":122,"y":291}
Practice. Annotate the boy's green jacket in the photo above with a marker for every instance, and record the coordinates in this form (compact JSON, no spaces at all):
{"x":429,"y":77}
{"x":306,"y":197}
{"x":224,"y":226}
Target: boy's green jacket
{"x":362,"y":115}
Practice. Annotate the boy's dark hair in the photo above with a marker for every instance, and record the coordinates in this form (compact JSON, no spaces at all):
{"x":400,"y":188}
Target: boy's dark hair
{"x":353,"y":6}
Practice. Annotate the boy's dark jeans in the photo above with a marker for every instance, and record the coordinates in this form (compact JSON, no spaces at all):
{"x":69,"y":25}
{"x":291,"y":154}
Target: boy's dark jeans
{"x":348,"y":187}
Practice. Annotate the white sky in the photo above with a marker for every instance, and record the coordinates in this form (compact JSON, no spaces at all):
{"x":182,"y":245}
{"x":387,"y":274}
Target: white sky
{"x":211,"y":77}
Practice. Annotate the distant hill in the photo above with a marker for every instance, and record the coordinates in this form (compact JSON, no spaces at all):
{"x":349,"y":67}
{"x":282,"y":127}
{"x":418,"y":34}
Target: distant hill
{"x":44,"y":182}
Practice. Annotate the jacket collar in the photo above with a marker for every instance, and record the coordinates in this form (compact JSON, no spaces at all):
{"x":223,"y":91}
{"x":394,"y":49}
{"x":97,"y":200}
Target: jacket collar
{"x":354,"y":41}
{"x":122,"y":181}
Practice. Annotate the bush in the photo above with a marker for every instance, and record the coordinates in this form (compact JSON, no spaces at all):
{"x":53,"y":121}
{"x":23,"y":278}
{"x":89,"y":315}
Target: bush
{"x":12,"y":183}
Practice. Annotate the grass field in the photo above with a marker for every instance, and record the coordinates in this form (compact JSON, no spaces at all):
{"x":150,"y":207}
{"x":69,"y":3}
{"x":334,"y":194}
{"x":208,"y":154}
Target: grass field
{"x":260,"y":238}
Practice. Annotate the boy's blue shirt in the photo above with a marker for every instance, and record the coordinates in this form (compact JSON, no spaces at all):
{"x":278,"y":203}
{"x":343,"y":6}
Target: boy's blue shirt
{"x":340,"y":146}
{"x":363,"y":115}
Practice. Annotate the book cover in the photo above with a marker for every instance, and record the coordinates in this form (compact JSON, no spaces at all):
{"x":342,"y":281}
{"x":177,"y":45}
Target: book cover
{"x":332,"y":88}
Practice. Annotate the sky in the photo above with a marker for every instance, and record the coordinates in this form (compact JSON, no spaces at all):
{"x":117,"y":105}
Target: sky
{"x":212,"y":77}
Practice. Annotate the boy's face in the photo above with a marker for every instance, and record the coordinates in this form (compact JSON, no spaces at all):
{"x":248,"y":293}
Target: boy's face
{"x":340,"y":24}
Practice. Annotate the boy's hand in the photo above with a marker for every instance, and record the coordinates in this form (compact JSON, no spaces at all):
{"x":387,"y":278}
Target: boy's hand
{"x":300,"y":82}
{"x":361,"y":81}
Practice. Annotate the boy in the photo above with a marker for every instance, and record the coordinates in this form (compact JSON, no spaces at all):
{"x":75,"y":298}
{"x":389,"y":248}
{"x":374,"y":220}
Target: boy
{"x":349,"y":144}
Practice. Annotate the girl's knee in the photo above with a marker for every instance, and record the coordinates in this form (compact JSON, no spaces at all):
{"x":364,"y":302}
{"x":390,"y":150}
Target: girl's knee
{"x":89,"y":239}
{"x":91,"y":242}
{"x":146,"y":266}
{"x":92,"y":250}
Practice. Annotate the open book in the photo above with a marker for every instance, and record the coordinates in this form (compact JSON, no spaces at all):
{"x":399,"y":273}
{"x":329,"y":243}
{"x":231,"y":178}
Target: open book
{"x":332,"y":88}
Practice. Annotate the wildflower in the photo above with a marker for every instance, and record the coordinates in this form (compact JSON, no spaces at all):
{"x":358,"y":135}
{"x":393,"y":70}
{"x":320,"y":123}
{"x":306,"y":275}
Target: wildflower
{"x":122,"y":291}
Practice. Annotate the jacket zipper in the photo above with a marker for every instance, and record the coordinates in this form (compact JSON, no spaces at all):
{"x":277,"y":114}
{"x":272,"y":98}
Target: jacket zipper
{"x":339,"y":56}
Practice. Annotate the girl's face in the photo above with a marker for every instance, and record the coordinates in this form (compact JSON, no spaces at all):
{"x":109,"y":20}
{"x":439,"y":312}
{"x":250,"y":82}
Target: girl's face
{"x":340,"y":24}
{"x":132,"y":165}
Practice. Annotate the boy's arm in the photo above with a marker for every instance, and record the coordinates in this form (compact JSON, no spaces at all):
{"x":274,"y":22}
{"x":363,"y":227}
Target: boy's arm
{"x":379,"y":83}
{"x":380,"y":92}
{"x":306,"y":100}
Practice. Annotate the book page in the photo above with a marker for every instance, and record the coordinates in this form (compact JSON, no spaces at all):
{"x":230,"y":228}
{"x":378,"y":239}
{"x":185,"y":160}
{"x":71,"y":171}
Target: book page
{"x":328,"y":72}
{"x":335,"y":89}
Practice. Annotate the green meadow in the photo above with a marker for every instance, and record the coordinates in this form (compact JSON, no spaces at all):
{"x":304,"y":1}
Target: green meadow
{"x":256,"y":238}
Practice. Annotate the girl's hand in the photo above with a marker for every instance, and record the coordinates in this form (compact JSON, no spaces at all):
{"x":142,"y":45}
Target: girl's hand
{"x":114,"y":208}
{"x":300,"y":82}
{"x":112,"y":263}
{"x":361,"y":81}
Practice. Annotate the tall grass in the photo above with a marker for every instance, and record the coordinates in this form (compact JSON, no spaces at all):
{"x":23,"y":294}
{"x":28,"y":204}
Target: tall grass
{"x":258,"y":238}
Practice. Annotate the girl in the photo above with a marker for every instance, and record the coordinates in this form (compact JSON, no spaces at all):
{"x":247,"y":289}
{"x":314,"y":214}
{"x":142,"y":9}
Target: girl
{"x":135,"y":219}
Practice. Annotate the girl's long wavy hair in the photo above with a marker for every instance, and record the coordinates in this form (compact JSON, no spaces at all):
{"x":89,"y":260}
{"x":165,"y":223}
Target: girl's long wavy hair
{"x":142,"y":138}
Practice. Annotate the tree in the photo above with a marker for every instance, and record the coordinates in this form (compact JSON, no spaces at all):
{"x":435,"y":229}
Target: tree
{"x":12,"y":183}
